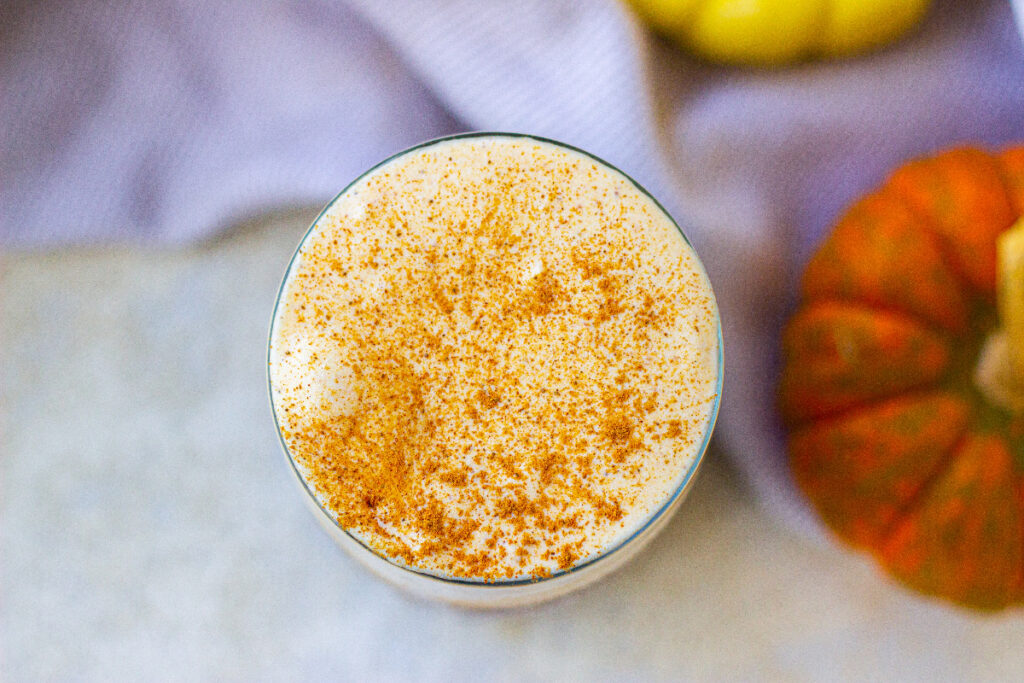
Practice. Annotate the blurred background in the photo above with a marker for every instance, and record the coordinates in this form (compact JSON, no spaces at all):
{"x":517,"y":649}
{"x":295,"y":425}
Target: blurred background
{"x":159,"y":162}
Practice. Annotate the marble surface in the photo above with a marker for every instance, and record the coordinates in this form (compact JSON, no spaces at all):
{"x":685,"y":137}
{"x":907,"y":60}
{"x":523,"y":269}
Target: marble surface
{"x":149,"y":530}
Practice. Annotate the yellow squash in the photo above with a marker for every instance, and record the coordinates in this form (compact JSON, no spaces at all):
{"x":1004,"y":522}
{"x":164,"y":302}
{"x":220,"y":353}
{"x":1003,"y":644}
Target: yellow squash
{"x":774,"y":32}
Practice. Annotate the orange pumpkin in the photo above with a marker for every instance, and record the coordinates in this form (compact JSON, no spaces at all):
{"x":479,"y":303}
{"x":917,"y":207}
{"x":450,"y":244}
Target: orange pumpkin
{"x":892,"y":438}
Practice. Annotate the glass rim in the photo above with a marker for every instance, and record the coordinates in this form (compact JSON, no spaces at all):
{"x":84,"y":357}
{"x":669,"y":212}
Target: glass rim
{"x":664,"y":508}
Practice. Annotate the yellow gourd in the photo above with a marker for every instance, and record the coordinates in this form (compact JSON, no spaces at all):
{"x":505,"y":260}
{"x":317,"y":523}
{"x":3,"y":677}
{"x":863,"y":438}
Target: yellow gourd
{"x":775,"y":32}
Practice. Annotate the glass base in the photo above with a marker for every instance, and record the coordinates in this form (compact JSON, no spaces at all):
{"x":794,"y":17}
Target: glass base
{"x":480,"y":595}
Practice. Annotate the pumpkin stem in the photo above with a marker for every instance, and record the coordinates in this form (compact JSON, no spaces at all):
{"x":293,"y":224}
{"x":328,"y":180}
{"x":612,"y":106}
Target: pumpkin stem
{"x":1000,"y":372}
{"x":1011,"y":297}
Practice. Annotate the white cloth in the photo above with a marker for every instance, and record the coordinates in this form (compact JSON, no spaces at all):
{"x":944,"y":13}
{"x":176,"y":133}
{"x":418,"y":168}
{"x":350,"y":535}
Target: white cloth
{"x":164,"y":122}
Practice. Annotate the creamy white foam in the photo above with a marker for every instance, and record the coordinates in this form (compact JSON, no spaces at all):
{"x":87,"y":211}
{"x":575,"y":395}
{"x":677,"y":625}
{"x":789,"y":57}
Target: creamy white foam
{"x":494,"y":357}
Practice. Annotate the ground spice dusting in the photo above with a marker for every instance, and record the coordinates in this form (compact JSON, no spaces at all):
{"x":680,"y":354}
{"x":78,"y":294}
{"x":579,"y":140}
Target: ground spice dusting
{"x":494,"y":359}
{"x":618,"y":428}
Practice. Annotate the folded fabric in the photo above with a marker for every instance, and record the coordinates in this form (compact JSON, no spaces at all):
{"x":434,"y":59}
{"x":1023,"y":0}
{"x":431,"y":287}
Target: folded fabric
{"x":164,"y":123}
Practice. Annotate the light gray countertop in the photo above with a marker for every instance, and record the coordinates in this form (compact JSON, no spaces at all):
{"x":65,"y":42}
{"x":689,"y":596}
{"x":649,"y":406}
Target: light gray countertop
{"x":148,"y":527}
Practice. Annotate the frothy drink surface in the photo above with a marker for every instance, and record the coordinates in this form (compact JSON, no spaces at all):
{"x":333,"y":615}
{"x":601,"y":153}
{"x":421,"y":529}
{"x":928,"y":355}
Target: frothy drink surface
{"x":494,"y":358}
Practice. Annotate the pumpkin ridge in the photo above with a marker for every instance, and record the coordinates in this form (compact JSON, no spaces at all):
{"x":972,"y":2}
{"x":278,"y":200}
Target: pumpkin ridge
{"x":851,"y":411}
{"x":823,"y":318}
{"x":885,"y":309}
{"x":856,"y":462}
{"x":837,"y":280}
{"x":882,"y":253}
{"x":930,"y":224}
{"x":958,"y":582}
{"x":913,"y":173}
{"x":915,"y":393}
{"x":915,"y":501}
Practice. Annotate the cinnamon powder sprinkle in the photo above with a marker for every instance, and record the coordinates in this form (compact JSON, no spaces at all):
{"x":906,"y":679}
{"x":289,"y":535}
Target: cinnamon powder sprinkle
{"x":494,"y":358}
